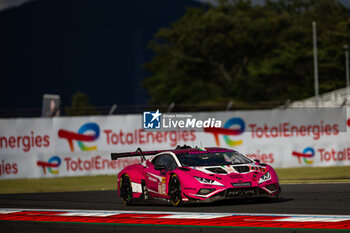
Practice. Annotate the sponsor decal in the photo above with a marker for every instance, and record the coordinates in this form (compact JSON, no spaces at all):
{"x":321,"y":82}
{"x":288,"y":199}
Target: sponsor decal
{"x":8,"y":168}
{"x":285,"y":130}
{"x":242,"y":184}
{"x":241,"y":127}
{"x":73,"y":165}
{"x":141,"y":137}
{"x":233,"y":127}
{"x":305,"y":155}
{"x":334,"y":155}
{"x":326,"y":155}
{"x":96,"y":163}
{"x":25,"y":142}
{"x":229,"y":169}
{"x":162,"y":186}
{"x":81,"y":137}
{"x":237,"y":126}
{"x":51,"y":165}
{"x":152,"y":179}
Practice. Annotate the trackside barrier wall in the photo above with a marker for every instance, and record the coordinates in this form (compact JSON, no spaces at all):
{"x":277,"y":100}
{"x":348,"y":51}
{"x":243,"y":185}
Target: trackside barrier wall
{"x":74,"y":146}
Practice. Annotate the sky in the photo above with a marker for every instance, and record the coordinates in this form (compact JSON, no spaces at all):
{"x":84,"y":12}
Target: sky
{"x":346,"y":3}
{"x":64,"y":46}
{"x":4,"y":4}
{"x":60,"y":47}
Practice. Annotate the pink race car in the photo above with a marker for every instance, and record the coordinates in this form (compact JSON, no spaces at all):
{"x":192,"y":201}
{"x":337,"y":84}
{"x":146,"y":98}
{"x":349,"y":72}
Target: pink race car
{"x":189,"y":175}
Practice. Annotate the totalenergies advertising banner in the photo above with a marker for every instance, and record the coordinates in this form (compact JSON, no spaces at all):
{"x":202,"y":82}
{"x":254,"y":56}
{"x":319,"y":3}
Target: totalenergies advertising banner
{"x":74,"y":146}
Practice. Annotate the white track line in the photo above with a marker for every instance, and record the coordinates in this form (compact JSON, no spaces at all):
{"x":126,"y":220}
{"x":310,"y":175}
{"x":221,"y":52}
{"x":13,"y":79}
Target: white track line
{"x":182,"y":214}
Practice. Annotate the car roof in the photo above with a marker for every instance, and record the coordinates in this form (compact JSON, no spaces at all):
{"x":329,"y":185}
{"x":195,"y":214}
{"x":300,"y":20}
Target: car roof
{"x":201,"y":150}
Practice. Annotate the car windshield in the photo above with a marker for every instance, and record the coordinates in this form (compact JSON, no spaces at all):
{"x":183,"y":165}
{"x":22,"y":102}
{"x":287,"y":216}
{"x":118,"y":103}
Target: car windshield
{"x":212,"y":159}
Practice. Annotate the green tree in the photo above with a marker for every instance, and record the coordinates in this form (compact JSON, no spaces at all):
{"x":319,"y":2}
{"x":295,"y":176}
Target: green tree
{"x":80,"y":106}
{"x":247,"y":52}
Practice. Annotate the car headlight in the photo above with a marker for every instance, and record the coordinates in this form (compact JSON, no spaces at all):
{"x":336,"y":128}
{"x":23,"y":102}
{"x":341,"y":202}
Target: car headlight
{"x":207,"y":181}
{"x":265,"y":177}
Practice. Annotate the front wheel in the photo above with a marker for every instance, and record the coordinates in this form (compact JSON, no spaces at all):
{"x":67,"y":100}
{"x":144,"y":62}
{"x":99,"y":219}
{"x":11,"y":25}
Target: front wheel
{"x":175,"y":191}
{"x":125,"y":189}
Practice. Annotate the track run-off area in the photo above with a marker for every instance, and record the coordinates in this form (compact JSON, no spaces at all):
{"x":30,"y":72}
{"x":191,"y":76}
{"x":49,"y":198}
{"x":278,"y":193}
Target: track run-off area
{"x":301,"y":208}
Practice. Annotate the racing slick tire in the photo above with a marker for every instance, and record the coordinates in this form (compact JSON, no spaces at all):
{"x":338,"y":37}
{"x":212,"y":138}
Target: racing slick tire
{"x":175,"y":193}
{"x":126,"y":190}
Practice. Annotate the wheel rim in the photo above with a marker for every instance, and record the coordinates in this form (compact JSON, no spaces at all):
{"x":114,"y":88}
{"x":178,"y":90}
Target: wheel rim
{"x":126,"y":192}
{"x":175,"y":191}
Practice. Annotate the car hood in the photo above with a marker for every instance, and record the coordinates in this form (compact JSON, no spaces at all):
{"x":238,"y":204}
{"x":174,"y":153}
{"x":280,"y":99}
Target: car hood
{"x":228,"y":174}
{"x":227,"y":169}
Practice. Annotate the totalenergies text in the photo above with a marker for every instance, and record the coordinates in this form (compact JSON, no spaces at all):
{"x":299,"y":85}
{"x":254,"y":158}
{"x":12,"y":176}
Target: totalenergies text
{"x":287,"y":130}
{"x":25,"y":142}
{"x":139,"y":136}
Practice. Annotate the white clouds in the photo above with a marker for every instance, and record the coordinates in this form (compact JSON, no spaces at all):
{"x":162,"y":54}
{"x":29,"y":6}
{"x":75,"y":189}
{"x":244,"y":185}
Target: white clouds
{"x":4,"y":4}
{"x":346,"y":3}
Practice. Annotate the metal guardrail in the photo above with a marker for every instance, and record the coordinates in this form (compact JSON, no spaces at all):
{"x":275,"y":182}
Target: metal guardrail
{"x":137,"y":109}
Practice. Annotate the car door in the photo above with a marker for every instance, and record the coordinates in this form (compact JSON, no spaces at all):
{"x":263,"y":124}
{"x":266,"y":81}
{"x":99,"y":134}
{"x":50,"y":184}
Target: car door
{"x":156,"y":182}
{"x":152,"y":176}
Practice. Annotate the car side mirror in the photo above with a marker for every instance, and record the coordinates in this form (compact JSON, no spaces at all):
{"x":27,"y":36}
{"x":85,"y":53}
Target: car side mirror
{"x":257,"y":161}
{"x":159,"y":167}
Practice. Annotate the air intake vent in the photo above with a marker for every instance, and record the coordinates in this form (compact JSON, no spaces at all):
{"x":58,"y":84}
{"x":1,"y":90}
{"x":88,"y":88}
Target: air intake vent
{"x":217,"y":170}
{"x":242,"y":169}
{"x":241,"y":184}
{"x":272,"y":187}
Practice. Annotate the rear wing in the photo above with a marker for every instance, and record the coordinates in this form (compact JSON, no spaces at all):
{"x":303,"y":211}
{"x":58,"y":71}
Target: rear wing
{"x":142,"y":154}
{"x":138,"y":152}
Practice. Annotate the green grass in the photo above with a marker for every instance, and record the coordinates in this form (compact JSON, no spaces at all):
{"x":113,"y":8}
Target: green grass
{"x":314,"y":174}
{"x":108,"y":182}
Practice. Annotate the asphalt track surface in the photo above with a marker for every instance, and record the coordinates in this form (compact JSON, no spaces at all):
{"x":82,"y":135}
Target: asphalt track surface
{"x":317,"y":199}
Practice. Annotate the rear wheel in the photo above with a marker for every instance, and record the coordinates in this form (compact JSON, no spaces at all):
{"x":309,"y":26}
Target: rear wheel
{"x":125,"y":189}
{"x":175,"y":191}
